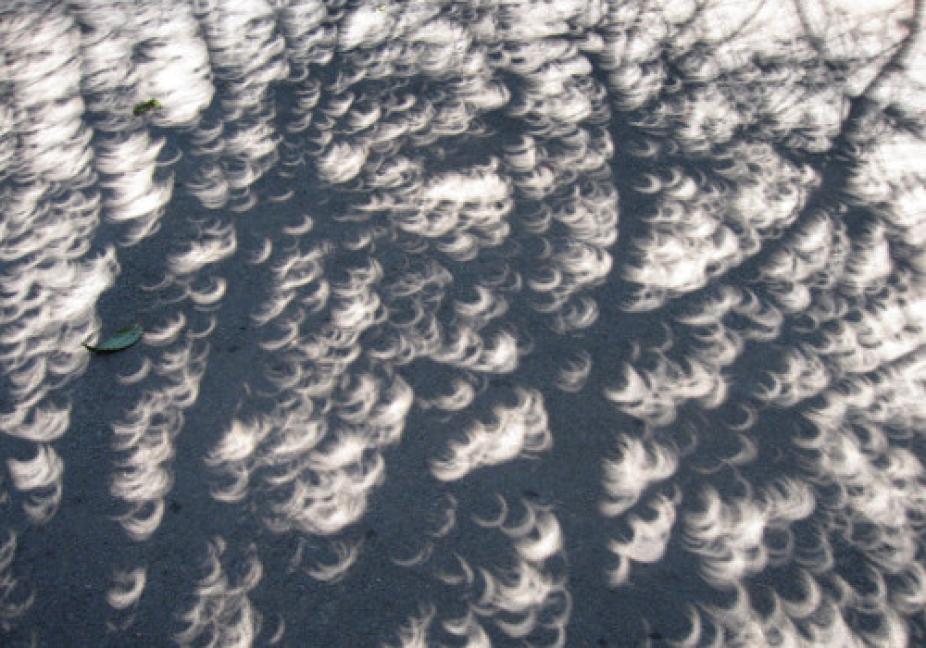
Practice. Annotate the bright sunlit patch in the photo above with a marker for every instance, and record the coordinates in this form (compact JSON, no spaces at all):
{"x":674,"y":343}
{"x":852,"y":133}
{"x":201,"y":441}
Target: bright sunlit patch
{"x":518,"y":430}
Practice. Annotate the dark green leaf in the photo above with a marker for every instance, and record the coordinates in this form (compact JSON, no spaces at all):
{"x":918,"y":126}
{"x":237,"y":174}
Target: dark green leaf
{"x":121,"y":339}
{"x":145,"y":107}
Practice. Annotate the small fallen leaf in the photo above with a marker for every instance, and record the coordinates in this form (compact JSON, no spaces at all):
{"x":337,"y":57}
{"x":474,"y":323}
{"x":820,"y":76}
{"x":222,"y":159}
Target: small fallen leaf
{"x":121,"y":339}
{"x":145,"y":107}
